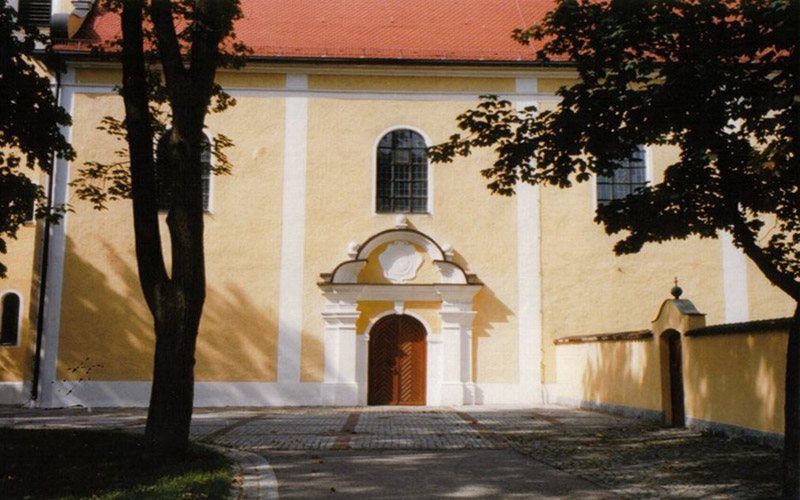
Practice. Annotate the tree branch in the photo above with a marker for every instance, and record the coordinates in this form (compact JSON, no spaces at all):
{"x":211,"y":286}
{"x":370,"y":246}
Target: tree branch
{"x":744,"y":236}
{"x":169,"y":48}
{"x":152,"y":271}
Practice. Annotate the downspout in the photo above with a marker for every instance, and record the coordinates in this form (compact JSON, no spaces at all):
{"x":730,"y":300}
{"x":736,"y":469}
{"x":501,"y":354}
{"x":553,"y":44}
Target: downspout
{"x":45,"y":258}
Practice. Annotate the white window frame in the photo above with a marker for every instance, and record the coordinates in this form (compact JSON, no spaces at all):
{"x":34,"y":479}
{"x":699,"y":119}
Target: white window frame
{"x":19,"y":315}
{"x":648,"y":174}
{"x":374,"y":153}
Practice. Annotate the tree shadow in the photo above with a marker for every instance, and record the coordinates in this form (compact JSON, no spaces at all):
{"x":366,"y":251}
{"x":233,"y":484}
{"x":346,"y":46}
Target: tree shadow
{"x":106,"y":331}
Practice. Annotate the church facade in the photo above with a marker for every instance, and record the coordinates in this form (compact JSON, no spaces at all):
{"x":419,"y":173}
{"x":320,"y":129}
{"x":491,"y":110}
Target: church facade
{"x":343,"y":267}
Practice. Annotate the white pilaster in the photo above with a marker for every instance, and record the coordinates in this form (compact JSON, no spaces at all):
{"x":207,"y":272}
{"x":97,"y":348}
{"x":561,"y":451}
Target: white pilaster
{"x":529,"y":275}
{"x":434,"y":369}
{"x":340,"y":315}
{"x":290,"y":309}
{"x":734,"y":281}
{"x":457,"y":385}
{"x":55,"y":261}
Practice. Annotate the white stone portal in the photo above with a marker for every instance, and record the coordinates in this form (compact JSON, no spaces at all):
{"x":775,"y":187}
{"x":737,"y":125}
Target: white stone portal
{"x":449,"y":353}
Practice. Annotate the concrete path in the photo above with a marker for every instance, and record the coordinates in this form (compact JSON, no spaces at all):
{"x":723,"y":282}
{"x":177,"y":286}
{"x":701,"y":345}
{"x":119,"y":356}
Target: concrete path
{"x":406,"y":474}
{"x":466,"y":452}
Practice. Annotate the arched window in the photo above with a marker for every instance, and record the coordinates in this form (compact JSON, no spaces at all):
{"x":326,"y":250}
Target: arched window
{"x":9,"y":325}
{"x":627,"y":178}
{"x":402,"y":173}
{"x":163,"y":173}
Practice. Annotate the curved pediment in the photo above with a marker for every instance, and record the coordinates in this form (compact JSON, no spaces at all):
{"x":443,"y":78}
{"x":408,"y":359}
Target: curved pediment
{"x":399,"y":257}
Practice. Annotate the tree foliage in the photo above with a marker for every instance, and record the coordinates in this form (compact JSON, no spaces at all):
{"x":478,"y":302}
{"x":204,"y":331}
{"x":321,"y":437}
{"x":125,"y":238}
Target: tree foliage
{"x":30,"y":121}
{"x":716,"y":79}
{"x":721,"y":81}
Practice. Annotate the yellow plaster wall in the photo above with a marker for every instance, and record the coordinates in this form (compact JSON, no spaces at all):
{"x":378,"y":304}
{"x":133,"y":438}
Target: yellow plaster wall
{"x":98,"y":76}
{"x":428,"y":311}
{"x":765,"y":300}
{"x":551,"y":85}
{"x":105,"y":325}
{"x":614,"y":372}
{"x":22,"y":278}
{"x":254,"y":80}
{"x":737,"y":379}
{"x":481,"y":228}
{"x":411,"y":83}
{"x":587,"y":289}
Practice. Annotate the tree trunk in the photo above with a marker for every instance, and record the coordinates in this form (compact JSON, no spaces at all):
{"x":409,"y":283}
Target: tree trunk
{"x":170,"y":413}
{"x":791,"y":412}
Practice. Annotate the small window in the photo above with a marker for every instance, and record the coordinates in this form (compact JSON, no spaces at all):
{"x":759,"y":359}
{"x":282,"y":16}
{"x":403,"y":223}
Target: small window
{"x":9,"y":327}
{"x":163,"y":174}
{"x":402,"y":173}
{"x":628,"y":177}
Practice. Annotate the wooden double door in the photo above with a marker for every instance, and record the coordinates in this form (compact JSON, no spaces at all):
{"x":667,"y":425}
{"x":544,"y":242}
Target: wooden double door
{"x":397,"y":358}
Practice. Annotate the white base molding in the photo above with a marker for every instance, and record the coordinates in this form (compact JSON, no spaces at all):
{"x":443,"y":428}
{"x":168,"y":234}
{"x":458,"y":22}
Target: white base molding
{"x":209,"y":394}
{"x":14,"y":393}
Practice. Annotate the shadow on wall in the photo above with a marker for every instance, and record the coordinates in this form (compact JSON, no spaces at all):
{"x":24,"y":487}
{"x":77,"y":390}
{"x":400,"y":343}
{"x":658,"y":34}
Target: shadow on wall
{"x":736,"y":379}
{"x":107,"y":330}
{"x":490,"y":312}
{"x":620,"y":373}
{"x":733,"y":376}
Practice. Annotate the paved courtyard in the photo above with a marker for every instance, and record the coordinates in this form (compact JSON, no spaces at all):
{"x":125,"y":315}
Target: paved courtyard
{"x":467,"y":452}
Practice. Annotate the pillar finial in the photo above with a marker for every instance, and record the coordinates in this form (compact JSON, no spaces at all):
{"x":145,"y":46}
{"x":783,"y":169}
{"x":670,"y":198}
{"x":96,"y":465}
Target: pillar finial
{"x":676,"y":290}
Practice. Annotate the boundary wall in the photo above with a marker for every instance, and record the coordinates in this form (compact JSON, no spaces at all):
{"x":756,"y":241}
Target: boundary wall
{"x":726,"y":379}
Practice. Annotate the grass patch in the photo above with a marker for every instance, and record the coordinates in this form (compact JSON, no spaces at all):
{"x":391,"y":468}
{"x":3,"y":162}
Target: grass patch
{"x":71,"y":464}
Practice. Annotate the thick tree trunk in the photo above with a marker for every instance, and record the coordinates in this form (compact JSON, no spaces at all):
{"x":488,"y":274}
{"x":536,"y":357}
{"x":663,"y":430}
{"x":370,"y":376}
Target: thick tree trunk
{"x":170,"y":412}
{"x":791,"y":443}
{"x":175,"y":300}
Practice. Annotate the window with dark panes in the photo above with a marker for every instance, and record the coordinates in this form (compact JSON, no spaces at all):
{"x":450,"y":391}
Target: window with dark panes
{"x":163,"y":174}
{"x":402,"y":177}
{"x":9,"y":325}
{"x":627,"y":178}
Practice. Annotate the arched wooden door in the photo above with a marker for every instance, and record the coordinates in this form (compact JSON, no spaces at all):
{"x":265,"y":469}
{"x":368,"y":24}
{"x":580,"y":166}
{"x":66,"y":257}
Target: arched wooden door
{"x":397,"y":352}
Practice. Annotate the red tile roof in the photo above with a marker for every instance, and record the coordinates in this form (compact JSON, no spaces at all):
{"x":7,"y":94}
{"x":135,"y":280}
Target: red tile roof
{"x":457,"y":30}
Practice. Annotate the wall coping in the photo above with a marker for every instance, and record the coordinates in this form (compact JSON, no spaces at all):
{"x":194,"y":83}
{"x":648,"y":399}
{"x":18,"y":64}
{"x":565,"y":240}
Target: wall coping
{"x":606,"y":337}
{"x":759,"y":326}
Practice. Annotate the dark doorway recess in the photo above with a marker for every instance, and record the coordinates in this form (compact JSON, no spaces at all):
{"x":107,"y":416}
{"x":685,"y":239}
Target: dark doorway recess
{"x":673,"y":340}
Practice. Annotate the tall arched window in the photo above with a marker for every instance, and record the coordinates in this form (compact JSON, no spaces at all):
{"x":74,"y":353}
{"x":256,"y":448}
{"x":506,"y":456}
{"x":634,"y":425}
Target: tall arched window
{"x":627,"y":178}
{"x":163,"y":173}
{"x":402,"y":173}
{"x":9,"y":325}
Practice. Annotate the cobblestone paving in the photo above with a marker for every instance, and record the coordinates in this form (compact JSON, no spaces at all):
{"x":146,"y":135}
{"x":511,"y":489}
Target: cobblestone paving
{"x":328,"y":429}
{"x":301,"y":430}
{"x":382,"y":429}
{"x":637,"y":459}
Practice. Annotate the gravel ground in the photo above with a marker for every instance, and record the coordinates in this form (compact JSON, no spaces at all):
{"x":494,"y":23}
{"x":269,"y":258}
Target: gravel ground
{"x":636,"y":459}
